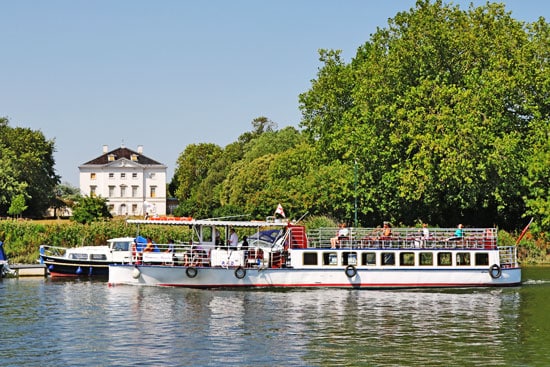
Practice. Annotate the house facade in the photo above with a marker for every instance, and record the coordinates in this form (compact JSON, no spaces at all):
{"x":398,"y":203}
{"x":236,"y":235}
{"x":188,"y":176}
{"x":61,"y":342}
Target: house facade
{"x":132,"y":183}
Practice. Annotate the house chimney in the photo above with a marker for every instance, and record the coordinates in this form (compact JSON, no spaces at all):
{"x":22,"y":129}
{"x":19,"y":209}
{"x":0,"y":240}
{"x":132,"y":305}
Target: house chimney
{"x":105,"y":149}
{"x":140,"y":149}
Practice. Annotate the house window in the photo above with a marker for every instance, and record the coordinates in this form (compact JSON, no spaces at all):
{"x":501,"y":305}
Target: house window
{"x":92,"y":191}
{"x":111,"y":157}
{"x":122,"y":191}
{"x":134,"y":175}
{"x":153,"y":192}
{"x":152,"y":175}
{"x":135,"y":191}
{"x":134,"y":209}
{"x":111,"y":191}
{"x":134,"y":157}
{"x":123,"y":175}
{"x":111,"y":175}
{"x":92,"y":176}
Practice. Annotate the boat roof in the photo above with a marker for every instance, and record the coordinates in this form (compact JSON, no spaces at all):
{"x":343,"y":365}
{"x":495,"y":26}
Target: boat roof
{"x":207,"y":222}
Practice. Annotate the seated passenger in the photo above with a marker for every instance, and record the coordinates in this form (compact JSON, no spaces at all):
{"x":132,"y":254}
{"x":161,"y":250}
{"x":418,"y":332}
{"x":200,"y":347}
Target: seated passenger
{"x":149,"y":246}
{"x":459,"y":234}
{"x":340,"y":235}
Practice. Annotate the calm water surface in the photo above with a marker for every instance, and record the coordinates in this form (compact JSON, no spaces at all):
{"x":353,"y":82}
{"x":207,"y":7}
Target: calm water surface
{"x":48,"y":322}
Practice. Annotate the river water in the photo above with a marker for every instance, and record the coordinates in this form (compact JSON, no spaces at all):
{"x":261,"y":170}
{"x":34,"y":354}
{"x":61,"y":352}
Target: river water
{"x":47,"y":322}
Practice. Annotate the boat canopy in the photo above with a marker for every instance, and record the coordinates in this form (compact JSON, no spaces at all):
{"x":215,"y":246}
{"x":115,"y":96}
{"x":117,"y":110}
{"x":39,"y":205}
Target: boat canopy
{"x":207,"y":222}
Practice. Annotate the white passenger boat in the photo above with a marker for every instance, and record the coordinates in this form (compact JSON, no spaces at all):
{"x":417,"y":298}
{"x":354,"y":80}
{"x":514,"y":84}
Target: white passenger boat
{"x":88,"y":261}
{"x":408,"y":258}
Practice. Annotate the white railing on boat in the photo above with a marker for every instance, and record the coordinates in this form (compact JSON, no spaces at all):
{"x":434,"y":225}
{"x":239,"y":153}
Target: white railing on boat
{"x":405,"y":238}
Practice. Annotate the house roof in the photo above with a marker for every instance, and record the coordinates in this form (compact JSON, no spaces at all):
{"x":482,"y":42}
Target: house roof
{"x":121,"y":153}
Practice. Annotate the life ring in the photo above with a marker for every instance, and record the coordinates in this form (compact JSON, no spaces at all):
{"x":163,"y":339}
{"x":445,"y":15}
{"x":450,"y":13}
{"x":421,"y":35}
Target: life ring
{"x":351,"y":271}
{"x":191,"y":272}
{"x":495,"y":271}
{"x":240,"y":272}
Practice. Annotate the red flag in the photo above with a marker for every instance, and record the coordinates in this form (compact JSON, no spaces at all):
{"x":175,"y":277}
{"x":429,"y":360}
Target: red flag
{"x":524,"y":231}
{"x":280,"y":210}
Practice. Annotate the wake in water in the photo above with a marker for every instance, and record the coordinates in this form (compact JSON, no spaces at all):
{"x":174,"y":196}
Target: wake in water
{"x":535,"y":281}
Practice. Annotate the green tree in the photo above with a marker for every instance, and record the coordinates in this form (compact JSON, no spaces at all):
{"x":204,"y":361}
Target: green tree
{"x":90,"y":209}
{"x":438,"y":110}
{"x":193,"y":166}
{"x":30,"y":167}
{"x":17,"y":206}
{"x":65,"y":197}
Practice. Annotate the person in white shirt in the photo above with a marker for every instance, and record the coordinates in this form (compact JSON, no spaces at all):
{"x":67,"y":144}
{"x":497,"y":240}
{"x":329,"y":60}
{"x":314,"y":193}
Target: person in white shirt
{"x":233,"y":239}
{"x":342,"y":233}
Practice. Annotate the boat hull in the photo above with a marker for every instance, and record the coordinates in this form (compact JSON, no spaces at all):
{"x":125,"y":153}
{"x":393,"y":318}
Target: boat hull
{"x":60,"y":267}
{"x":216,"y":277}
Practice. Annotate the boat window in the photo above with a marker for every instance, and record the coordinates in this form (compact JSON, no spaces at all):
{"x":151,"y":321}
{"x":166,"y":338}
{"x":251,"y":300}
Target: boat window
{"x":426,"y":258}
{"x":98,"y":257}
{"x":330,"y":258}
{"x":444,"y":259}
{"x":78,"y":256}
{"x":207,"y":234}
{"x":121,"y":246}
{"x":482,"y":258}
{"x":406,"y":258}
{"x":463,"y":258}
{"x":368,"y":258}
{"x":388,"y":258}
{"x":310,"y":258}
{"x":349,"y":258}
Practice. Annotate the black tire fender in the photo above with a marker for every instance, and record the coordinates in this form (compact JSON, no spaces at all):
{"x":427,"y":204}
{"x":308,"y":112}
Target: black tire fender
{"x":191,"y":272}
{"x":495,"y":271}
{"x":240,"y":272}
{"x":351,"y":271}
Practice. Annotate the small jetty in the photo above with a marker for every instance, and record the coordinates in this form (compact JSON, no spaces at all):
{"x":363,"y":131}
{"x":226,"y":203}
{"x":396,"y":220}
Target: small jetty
{"x":28,"y":270}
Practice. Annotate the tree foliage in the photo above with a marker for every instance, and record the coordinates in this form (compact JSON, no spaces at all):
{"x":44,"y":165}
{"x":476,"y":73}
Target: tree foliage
{"x":437,"y":110}
{"x":26,"y":167}
{"x":90,"y":209}
{"x":17,"y":205}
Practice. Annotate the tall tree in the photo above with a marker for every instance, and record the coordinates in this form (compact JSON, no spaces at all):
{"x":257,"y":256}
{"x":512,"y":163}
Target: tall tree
{"x":435,"y":109}
{"x":31,"y":166}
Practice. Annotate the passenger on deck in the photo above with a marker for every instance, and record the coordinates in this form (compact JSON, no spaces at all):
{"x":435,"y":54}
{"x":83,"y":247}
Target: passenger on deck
{"x":233,"y":239}
{"x":244,"y":245}
{"x":342,"y":233}
{"x":459,"y":233}
{"x":149,"y":246}
{"x":170,"y":246}
{"x":425,"y":231}
{"x":386,"y":231}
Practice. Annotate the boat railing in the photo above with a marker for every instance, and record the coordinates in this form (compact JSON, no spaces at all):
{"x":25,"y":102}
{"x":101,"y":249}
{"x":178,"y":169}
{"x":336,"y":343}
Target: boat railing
{"x":508,"y":256}
{"x":472,"y":238}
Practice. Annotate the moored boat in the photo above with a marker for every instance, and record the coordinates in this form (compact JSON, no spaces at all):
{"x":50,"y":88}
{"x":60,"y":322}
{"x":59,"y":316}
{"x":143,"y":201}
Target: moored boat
{"x":365,"y":258}
{"x":4,"y":267}
{"x":87,"y":260}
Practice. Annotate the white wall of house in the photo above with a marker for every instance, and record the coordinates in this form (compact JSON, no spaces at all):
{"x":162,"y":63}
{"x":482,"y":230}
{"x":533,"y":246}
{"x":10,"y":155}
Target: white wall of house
{"x":130,"y":188}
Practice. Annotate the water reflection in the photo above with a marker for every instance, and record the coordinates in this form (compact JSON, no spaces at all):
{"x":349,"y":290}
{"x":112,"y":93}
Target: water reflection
{"x":83,"y":323}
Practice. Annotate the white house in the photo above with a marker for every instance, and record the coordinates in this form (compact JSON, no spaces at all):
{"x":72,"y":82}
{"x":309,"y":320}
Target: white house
{"x":132,"y":183}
